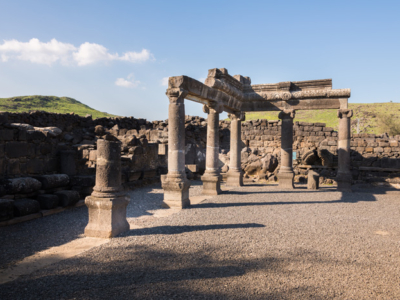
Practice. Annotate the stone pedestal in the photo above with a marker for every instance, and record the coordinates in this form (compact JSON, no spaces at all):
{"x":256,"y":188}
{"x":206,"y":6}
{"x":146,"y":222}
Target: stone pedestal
{"x":107,"y":204}
{"x":212,"y":178}
{"x":343,"y":177}
{"x":286,"y":174}
{"x":175,"y":184}
{"x":235,"y":174}
{"x":312,"y":180}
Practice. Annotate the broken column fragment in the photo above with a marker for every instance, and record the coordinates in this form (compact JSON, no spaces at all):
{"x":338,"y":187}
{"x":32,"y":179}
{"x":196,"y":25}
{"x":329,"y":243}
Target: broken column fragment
{"x":107,"y":204}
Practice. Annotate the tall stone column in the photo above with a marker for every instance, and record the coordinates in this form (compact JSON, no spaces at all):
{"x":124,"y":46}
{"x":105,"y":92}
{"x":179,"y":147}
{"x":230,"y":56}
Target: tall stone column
{"x":175,"y":184}
{"x":235,"y":174}
{"x":286,"y":174}
{"x":212,"y":178}
{"x":107,"y":204}
{"x":343,"y":176}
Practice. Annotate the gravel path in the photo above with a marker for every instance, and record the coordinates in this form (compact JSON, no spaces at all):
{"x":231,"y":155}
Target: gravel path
{"x":253,"y":242}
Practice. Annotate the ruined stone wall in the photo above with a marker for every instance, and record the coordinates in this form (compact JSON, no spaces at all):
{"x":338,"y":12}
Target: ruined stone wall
{"x":374,"y":158}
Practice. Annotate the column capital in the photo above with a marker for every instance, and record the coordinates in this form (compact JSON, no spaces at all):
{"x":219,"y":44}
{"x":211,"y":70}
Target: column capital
{"x":287,"y":113}
{"x":344,"y":113}
{"x":214,"y":107}
{"x":239,"y":116}
{"x":176,"y":95}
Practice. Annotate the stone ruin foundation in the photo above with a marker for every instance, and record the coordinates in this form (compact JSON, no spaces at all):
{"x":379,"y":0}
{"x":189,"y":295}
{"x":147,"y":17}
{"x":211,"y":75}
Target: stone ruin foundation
{"x":48,"y":161}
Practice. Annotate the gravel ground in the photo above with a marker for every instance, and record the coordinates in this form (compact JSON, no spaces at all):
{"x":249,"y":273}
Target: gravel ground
{"x":253,"y":242}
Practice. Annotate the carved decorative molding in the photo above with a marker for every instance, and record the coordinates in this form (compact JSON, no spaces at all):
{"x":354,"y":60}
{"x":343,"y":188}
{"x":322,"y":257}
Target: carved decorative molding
{"x":215,"y":107}
{"x":236,"y":93}
{"x":176,"y":95}
{"x":240,"y":116}
{"x":344,"y":113}
{"x":287,"y":113}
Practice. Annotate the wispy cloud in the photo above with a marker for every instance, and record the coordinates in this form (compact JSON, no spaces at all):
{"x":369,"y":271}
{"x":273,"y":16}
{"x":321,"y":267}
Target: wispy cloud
{"x":129,"y":82}
{"x":54,"y":51}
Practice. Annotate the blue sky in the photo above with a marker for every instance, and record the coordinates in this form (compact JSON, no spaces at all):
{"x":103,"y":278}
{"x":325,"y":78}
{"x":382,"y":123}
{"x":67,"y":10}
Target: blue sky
{"x":113,"y":55}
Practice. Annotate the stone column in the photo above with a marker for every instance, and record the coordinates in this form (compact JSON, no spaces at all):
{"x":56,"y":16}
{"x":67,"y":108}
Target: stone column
{"x":107,"y":204}
{"x":212,"y":178}
{"x":286,"y":174}
{"x":343,"y":177}
{"x":235,"y":174}
{"x":175,"y":184}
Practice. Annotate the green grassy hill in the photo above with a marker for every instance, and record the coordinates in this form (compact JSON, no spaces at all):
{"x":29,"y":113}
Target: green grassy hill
{"x":50,"y":104}
{"x":370,"y":115}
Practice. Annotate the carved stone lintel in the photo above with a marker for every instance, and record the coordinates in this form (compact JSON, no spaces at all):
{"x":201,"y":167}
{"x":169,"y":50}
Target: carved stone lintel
{"x":239,"y":115}
{"x":344,"y":113}
{"x":176,"y":95}
{"x":287,"y":113}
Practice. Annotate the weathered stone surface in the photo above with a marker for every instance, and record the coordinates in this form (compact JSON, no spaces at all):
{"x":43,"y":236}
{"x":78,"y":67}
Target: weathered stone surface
{"x":53,"y":181}
{"x":6,"y":135}
{"x":107,"y":216}
{"x":6,"y":209}
{"x":23,"y":207}
{"x":67,"y":161}
{"x":48,"y":201}
{"x":84,"y":181}
{"x":67,"y":198}
{"x":17,"y":149}
{"x":312,"y":180}
{"x":107,"y":204}
{"x":23,"y":185}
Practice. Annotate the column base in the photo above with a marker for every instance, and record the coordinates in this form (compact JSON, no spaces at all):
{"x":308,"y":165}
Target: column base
{"x":107,"y":216}
{"x":176,"y":192}
{"x":344,"y":182}
{"x":211,"y":184}
{"x":234,"y":178}
{"x":285,"y":179}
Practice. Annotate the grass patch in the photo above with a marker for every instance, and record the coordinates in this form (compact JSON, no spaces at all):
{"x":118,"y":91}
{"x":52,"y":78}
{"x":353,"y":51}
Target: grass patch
{"x":53,"y":104}
{"x":372,"y":117}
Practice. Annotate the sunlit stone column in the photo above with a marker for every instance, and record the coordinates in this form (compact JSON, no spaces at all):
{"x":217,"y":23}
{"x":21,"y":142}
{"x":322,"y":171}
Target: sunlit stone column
{"x":235,"y":174}
{"x":286,"y":174}
{"x":212,"y":178}
{"x":175,"y":184}
{"x":343,"y":177}
{"x":107,"y":204}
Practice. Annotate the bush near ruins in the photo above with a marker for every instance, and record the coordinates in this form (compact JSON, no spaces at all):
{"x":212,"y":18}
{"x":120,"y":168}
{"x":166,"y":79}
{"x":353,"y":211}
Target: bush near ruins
{"x":389,"y":124}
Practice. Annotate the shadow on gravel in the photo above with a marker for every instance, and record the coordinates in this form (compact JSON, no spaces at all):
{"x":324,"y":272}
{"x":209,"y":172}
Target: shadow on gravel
{"x":345,"y":198}
{"x":148,"y":272}
{"x":183,"y":229}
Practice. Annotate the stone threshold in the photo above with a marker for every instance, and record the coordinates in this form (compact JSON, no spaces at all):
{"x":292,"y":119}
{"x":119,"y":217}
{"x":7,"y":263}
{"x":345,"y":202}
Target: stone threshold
{"x":42,"y":213}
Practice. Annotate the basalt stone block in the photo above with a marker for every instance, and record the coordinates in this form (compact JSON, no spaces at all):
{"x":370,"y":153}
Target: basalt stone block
{"x":17,"y":149}
{"x":48,"y":201}
{"x":23,"y":185}
{"x":84,"y":181}
{"x":53,"y":181}
{"x":313,"y":180}
{"x":23,"y":207}
{"x":6,"y":209}
{"x":67,"y":198}
{"x":6,"y":135}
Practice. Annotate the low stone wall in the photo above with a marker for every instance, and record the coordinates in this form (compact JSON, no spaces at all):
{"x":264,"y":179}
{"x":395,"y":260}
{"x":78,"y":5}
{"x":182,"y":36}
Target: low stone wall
{"x":39,"y":143}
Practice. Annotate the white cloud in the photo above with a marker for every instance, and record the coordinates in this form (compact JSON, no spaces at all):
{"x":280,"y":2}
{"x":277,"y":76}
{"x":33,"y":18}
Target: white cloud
{"x":202,"y":79}
{"x":164,"y":81}
{"x":129,"y":82}
{"x":54,"y":51}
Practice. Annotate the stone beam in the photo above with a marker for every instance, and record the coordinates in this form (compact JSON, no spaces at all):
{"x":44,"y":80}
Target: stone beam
{"x":297,"y":104}
{"x":235,"y":93}
{"x":199,"y":92}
